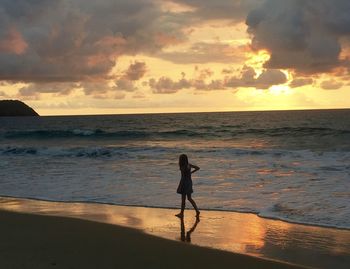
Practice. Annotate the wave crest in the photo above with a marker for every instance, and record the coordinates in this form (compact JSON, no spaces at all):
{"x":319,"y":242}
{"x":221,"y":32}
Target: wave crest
{"x":220,"y":132}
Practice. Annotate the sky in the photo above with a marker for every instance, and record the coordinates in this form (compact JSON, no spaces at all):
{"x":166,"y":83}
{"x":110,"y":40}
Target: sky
{"x":71,"y":57}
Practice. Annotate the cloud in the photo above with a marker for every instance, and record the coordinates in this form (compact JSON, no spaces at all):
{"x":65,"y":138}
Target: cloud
{"x":98,"y":89}
{"x":139,"y":95}
{"x":55,"y":45}
{"x":228,"y":71}
{"x":127,"y":79}
{"x":304,"y":36}
{"x":103,"y":90}
{"x":166,"y":85}
{"x":215,"y":84}
{"x":136,"y":71}
{"x":248,"y":79}
{"x":300,"y":82}
{"x":202,"y":74}
{"x":205,"y":52}
{"x":331,"y":84}
{"x":69,"y":41}
{"x":35,"y":89}
{"x":12,"y":42}
{"x":125,"y":85}
{"x":234,"y":11}
{"x":119,"y":95}
{"x":200,"y":81}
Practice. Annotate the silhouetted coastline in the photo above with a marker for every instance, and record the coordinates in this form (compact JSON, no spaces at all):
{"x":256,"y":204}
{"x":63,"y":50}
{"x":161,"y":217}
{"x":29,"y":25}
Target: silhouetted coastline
{"x":13,"y":108}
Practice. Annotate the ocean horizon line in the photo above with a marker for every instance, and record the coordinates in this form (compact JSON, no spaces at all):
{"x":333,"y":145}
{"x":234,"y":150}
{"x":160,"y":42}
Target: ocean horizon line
{"x":195,"y":112}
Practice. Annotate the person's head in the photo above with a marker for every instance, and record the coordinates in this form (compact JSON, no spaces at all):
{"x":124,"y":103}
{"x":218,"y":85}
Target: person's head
{"x":183,"y":161}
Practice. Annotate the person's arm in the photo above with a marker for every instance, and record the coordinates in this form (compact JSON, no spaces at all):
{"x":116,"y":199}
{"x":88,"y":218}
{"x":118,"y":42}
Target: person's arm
{"x":196,"y":168}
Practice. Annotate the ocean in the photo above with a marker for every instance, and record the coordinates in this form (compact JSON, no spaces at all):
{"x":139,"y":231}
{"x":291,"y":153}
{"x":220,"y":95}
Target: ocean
{"x":287,"y":165}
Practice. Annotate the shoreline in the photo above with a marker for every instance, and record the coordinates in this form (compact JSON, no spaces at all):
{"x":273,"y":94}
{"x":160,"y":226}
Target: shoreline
{"x":61,"y":242}
{"x":176,"y":208}
{"x":242,"y":233}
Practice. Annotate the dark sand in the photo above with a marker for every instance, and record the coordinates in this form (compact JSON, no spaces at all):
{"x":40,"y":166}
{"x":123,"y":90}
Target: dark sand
{"x":63,"y":241}
{"x":33,"y":241}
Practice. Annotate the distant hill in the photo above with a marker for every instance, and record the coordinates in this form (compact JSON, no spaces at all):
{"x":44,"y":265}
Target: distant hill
{"x":15,"y":108}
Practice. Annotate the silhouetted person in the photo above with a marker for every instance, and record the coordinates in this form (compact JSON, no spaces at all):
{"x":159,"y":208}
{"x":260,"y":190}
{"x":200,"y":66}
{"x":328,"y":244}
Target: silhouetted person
{"x":185,"y":185}
{"x":187,"y":237}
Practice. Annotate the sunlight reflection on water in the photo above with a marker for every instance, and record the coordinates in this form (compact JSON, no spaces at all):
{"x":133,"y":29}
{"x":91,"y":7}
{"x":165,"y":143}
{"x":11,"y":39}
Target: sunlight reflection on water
{"x":236,"y":232}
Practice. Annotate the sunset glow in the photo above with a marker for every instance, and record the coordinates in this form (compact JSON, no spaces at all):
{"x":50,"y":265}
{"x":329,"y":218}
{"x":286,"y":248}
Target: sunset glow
{"x":139,"y":56}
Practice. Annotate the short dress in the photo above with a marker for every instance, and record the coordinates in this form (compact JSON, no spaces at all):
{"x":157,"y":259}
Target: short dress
{"x":185,"y":185}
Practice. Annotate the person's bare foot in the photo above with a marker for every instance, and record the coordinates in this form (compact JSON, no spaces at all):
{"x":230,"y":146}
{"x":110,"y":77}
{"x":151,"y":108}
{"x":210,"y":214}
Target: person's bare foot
{"x":180,"y":215}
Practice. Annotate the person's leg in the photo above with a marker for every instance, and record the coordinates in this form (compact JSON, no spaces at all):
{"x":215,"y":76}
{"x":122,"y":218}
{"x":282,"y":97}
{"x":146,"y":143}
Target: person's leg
{"x":189,"y":198}
{"x":183,"y":203}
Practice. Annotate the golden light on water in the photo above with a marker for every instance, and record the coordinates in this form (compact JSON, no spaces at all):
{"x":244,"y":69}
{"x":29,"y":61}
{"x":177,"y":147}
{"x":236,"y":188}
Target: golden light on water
{"x":241,"y":233}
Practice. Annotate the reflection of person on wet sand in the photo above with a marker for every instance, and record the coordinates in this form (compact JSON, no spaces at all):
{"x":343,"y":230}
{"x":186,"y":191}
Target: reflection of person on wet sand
{"x":187,"y":237}
{"x":185,"y":185}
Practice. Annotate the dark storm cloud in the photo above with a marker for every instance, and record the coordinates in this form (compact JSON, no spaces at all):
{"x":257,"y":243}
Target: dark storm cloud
{"x":63,"y":40}
{"x":301,"y":35}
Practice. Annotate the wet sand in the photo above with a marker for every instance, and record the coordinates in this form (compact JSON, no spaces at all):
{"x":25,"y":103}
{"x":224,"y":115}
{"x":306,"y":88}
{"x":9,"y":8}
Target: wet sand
{"x":32,"y":241}
{"x":65,"y":243}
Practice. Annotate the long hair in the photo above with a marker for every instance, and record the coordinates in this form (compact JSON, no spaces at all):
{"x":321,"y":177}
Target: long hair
{"x":183,"y":161}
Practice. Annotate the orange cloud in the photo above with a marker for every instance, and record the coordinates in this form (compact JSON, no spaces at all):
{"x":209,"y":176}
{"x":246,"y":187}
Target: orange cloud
{"x":13,"y":42}
{"x":164,"y":40}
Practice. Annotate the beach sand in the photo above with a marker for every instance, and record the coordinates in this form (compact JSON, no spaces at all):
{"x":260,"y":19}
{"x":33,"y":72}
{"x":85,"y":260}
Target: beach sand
{"x":99,"y":236}
{"x":32,"y":241}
